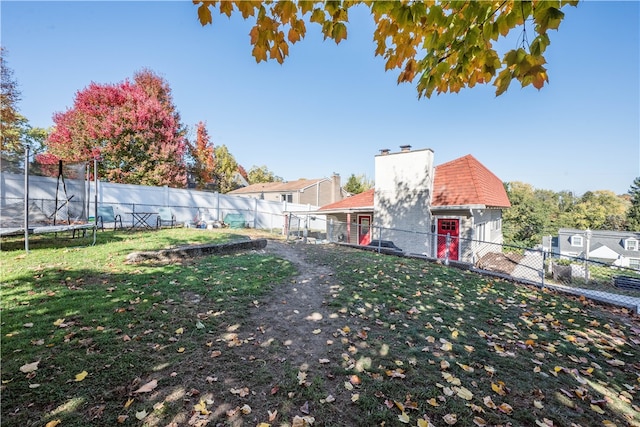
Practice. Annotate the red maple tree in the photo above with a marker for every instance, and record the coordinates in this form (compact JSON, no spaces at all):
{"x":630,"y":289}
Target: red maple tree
{"x":132,"y":125}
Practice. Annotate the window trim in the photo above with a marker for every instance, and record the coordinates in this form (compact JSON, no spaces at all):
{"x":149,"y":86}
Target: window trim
{"x":575,"y":239}
{"x":633,"y":247}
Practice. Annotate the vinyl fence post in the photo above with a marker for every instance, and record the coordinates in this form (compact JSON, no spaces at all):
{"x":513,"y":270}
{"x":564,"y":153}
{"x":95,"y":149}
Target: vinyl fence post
{"x":542,"y":269}
{"x":287,"y":224}
{"x":255,"y":215}
{"x":330,"y":231}
{"x":446,"y":248}
{"x":26,"y":198}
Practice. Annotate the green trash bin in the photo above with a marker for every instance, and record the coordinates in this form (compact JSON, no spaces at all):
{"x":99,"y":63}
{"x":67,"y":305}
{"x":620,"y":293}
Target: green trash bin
{"x":234,"y":220}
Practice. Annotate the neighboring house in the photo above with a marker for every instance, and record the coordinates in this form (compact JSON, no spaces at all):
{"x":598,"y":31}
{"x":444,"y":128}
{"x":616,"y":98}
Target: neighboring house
{"x":315,"y":192}
{"x":413,"y":201}
{"x":621,"y":248}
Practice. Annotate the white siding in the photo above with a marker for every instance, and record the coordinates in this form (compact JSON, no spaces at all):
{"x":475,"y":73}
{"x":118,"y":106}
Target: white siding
{"x":402,"y":198}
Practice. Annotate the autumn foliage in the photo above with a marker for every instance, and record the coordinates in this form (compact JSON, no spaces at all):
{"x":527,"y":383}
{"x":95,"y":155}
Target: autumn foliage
{"x":446,"y":46}
{"x":134,"y":128}
{"x":203,"y":162}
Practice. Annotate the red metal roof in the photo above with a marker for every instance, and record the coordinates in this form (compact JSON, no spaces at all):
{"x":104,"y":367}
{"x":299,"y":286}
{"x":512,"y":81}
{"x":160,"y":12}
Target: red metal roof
{"x":362,"y":200}
{"x":466,"y":181}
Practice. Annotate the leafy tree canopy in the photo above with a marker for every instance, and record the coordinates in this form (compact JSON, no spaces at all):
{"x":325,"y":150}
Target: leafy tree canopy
{"x":259,"y":174}
{"x":225,"y":170}
{"x":11,"y":121}
{"x":536,"y":213}
{"x":132,"y":126}
{"x":444,"y":45}
{"x":357,"y":184}
{"x":201,"y":154}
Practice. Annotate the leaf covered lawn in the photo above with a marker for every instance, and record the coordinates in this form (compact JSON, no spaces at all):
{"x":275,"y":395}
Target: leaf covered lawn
{"x":89,"y":340}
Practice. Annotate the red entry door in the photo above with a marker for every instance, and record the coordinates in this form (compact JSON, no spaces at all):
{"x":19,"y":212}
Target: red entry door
{"x":364,"y":229}
{"x":452,"y":228}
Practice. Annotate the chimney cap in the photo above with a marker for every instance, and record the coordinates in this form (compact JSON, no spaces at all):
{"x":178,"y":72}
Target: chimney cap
{"x":405,"y":147}
{"x":384,"y":151}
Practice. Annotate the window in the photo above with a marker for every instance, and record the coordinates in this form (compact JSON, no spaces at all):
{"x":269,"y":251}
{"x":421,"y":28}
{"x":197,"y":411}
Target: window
{"x":631,"y":244}
{"x":480,"y":232}
{"x":634,"y":263}
{"x":287,"y":198}
{"x":496,"y":224}
{"x":577,"y":241}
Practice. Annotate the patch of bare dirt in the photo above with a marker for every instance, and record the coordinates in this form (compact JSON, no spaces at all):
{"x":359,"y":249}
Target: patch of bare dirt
{"x":290,"y":330}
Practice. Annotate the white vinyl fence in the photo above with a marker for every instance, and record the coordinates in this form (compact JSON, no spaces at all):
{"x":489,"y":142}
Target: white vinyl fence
{"x":187,"y":205}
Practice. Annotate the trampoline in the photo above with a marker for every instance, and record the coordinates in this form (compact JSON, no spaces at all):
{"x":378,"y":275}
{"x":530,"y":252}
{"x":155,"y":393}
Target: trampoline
{"x":44,"y":198}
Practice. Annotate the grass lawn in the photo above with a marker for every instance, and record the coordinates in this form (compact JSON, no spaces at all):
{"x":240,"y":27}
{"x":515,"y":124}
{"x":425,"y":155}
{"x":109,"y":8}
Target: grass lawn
{"x":90,"y":340}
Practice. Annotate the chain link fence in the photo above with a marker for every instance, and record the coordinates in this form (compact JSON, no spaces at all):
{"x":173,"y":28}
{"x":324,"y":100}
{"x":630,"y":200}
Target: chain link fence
{"x":583,"y":277}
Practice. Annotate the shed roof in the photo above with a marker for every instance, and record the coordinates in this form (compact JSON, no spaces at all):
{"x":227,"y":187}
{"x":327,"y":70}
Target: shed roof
{"x":466,"y":181}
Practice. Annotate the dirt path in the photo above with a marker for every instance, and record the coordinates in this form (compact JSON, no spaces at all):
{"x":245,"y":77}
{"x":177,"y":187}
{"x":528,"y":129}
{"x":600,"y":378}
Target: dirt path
{"x":295,"y":315}
{"x":289,"y":331}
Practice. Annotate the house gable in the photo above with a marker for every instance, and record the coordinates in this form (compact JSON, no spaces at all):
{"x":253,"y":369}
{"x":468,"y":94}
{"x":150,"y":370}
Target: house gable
{"x":315,"y":192}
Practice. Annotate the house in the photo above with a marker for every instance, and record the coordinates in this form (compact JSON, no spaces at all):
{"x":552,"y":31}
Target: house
{"x":621,"y":248}
{"x":453,"y":210}
{"x":467,"y":203}
{"x":315,"y":192}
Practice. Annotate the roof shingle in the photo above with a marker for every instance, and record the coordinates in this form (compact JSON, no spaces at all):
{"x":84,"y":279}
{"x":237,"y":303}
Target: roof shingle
{"x":362,"y":200}
{"x":466,"y":181}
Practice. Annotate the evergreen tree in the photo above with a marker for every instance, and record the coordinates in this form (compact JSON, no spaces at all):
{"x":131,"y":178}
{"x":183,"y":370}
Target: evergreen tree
{"x":633,"y":214}
{"x":357,"y":184}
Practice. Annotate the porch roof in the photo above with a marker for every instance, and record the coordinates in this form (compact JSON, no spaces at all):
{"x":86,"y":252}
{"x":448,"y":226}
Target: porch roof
{"x":362,"y":202}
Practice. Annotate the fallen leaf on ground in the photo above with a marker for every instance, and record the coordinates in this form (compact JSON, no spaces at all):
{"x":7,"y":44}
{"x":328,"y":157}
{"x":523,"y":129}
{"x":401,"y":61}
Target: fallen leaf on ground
{"x":404,"y":418}
{"x":141,"y":414}
{"x":81,"y":376}
{"x":299,"y":421}
{"x":450,"y":419}
{"x":201,"y":407}
{"x":53,"y":423}
{"x":147,"y":387}
{"x":242,"y":392}
{"x":29,"y":367}
{"x":302,"y":377}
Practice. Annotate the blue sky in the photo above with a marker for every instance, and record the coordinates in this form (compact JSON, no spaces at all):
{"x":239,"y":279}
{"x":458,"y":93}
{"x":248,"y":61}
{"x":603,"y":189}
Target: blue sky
{"x":331,"y":108}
